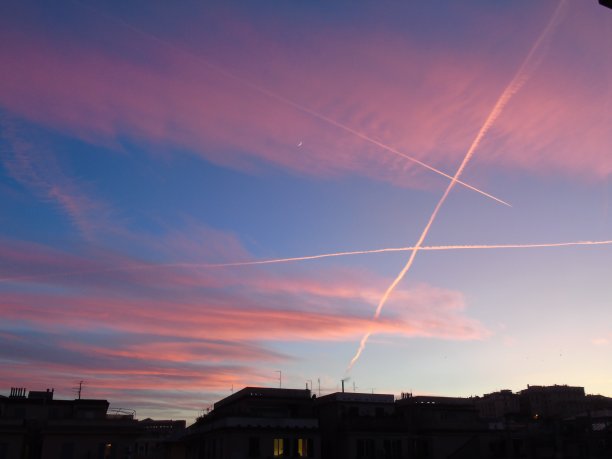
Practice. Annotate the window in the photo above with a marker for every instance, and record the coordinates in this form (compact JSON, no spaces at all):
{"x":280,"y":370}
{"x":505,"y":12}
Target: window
{"x":396,"y":445}
{"x":302,"y":449}
{"x":254,"y":447}
{"x":392,"y":449}
{"x":365,"y":447}
{"x":67,"y":451}
{"x":369,"y":447}
{"x":279,"y":447}
{"x":108,"y":449}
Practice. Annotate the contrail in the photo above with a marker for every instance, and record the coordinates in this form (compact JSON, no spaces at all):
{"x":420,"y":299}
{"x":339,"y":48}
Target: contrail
{"x":223,"y":71}
{"x":386,"y":250}
{"x":521,"y":76}
{"x":308,"y":257}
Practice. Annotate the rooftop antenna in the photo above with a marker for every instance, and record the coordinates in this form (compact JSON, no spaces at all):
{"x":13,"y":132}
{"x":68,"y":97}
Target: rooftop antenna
{"x":354,"y":387}
{"x":280,"y":378}
{"x":79,"y":389}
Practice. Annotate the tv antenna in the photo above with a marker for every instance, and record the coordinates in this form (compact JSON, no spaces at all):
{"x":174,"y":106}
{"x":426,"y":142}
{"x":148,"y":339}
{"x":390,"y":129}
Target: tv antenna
{"x":79,"y":389}
{"x":280,"y":378}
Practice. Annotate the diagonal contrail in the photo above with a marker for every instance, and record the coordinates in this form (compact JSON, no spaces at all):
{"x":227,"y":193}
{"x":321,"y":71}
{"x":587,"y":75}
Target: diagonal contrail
{"x":273,"y":95}
{"x":521,"y":76}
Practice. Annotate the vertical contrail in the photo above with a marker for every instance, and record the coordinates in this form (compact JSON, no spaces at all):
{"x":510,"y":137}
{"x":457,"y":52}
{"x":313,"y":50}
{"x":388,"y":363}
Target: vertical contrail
{"x":521,"y":76}
{"x":273,"y":95}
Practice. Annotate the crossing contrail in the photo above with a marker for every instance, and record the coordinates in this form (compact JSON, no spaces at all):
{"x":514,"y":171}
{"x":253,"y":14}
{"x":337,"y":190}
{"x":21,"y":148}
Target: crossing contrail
{"x":522,"y":75}
{"x":388,"y":250}
{"x":273,"y":95}
{"x":269,"y":261}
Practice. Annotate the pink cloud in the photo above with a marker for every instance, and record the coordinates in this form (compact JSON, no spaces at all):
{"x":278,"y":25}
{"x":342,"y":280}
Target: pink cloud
{"x":411,"y":103}
{"x":558,"y":122}
{"x":428,"y":104}
{"x":294,"y":302}
{"x":190,"y":328}
{"x":233,"y":319}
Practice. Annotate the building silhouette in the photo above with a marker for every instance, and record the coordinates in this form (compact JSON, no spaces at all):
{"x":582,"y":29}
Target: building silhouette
{"x":553,"y":422}
{"x":257,"y":422}
{"x":34,"y":425}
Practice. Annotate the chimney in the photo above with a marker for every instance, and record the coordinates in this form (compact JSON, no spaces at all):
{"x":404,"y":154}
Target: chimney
{"x":343,"y":385}
{"x":18,"y":392}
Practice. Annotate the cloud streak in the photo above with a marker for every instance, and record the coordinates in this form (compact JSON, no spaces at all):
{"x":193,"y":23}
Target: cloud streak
{"x":181,"y":331}
{"x":226,"y":122}
{"x":302,"y":108}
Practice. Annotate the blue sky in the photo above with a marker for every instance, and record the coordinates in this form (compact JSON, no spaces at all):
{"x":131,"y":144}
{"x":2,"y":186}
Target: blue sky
{"x":142,"y":143}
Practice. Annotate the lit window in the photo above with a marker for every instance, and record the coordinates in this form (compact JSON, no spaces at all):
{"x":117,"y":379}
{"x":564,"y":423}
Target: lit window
{"x":304,"y":447}
{"x":278,"y":447}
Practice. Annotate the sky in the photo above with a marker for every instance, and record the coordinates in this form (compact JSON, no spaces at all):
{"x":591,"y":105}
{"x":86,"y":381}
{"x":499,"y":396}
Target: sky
{"x":150,"y":151}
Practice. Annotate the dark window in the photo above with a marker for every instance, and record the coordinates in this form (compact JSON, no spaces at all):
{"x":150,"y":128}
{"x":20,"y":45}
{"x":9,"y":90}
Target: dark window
{"x":105,"y":451}
{"x":254,"y":447}
{"x":67,"y":451}
{"x":202,"y":450}
{"x":392,"y":449}
{"x":365,"y":447}
{"x":516,"y":444}
{"x":287,"y":443}
{"x":369,"y":447}
{"x":397,"y":449}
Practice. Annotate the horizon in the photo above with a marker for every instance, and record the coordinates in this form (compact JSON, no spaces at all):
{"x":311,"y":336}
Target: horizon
{"x":199,"y":197}
{"x":23,"y":392}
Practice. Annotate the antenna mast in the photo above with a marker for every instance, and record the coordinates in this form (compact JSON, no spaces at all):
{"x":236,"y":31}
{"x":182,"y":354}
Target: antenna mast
{"x":280,"y":378}
{"x":79,"y":389}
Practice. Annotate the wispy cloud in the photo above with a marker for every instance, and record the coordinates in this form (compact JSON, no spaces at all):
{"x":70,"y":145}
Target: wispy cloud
{"x":228,"y":123}
{"x":29,"y":161}
{"x":172,"y":329}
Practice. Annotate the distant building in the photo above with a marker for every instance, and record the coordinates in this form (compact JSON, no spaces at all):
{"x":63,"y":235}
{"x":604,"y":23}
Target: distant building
{"x":360,"y":425}
{"x":34,"y":425}
{"x":443,"y":426}
{"x":257,"y":422}
{"x":498,"y":405}
{"x":552,"y":401}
